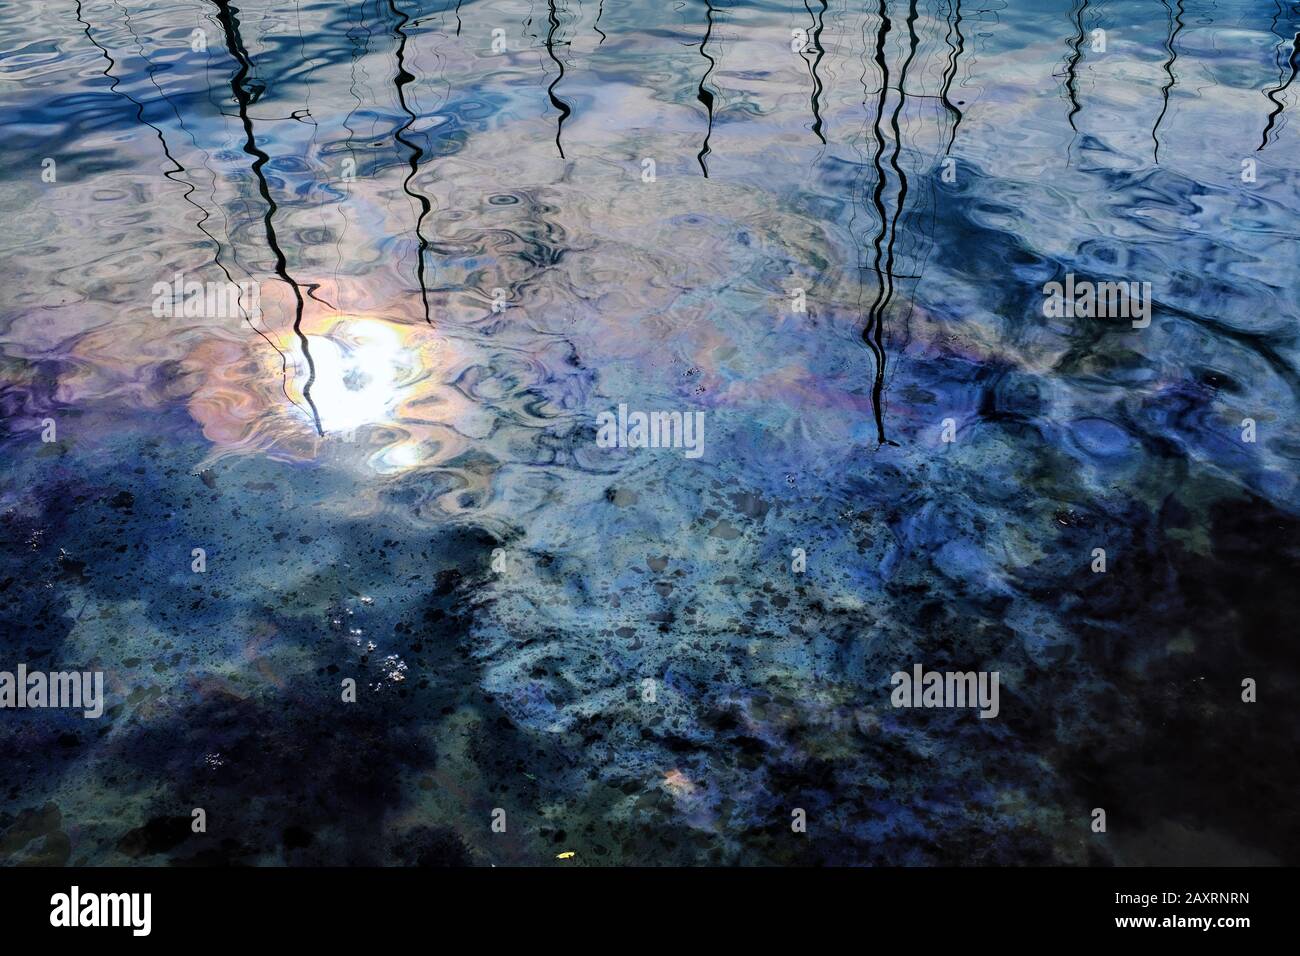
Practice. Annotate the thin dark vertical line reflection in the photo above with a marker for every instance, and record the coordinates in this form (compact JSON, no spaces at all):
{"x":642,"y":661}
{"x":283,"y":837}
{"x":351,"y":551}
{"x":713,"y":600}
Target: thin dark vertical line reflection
{"x":1275,"y":94}
{"x":703,"y":95}
{"x":400,"y":81}
{"x":872,"y":333}
{"x":558,"y":103}
{"x":226,"y":15}
{"x":1175,"y":27}
{"x":950,"y":70}
{"x":151,"y":70}
{"x":817,"y":21}
{"x":1072,"y":64}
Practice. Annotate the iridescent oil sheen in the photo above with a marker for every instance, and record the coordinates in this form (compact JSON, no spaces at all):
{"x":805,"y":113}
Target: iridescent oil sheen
{"x":473,"y":227}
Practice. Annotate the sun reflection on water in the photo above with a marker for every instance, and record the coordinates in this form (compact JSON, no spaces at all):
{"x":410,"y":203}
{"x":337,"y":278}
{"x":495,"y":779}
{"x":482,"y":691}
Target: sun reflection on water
{"x":382,"y":390}
{"x":363,"y":370}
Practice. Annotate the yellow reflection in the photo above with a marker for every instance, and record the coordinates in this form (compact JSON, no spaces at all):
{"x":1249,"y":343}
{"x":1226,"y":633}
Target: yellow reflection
{"x":382,"y":389}
{"x":362,"y":370}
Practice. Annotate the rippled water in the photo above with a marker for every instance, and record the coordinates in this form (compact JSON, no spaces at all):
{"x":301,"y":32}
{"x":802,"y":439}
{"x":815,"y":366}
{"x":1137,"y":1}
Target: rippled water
{"x":468,"y":229}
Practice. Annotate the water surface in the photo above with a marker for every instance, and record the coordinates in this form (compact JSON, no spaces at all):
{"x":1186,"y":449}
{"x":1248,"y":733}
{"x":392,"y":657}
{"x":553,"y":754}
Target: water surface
{"x":472,"y":228}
